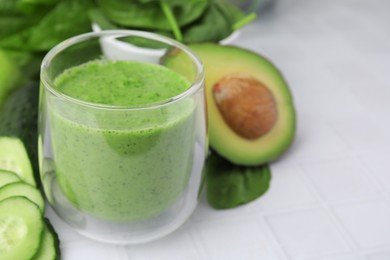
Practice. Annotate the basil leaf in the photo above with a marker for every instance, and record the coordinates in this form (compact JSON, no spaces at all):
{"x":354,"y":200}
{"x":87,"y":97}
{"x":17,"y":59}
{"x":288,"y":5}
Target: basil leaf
{"x":229,"y":185}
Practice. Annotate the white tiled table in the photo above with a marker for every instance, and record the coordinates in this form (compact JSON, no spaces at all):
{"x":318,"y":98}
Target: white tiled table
{"x":330,"y":194}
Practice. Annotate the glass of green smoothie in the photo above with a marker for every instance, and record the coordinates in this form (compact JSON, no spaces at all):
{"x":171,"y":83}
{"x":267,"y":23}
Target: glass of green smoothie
{"x":122,"y":134}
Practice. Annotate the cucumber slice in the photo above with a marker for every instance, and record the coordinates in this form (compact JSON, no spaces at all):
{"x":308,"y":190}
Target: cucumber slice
{"x":23,"y":189}
{"x":50,"y":244}
{"x":21,"y":227}
{"x":7,"y":177}
{"x":13,"y":157}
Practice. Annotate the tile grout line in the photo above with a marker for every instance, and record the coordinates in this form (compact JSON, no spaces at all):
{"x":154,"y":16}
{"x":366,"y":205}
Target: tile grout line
{"x":359,"y":252}
{"x":376,"y":182}
{"x":276,"y":243}
{"x":381,"y":189}
{"x":329,"y":212}
{"x":254,"y":215}
{"x":197,"y":243}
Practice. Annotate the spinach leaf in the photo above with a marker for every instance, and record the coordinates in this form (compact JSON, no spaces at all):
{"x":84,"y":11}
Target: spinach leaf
{"x":12,"y":7}
{"x":11,"y":24}
{"x":14,"y":23}
{"x":170,"y":16}
{"x":16,"y":26}
{"x":96,"y":16}
{"x":8,"y":7}
{"x":215,"y":24}
{"x":229,"y":185}
{"x":66,"y":19}
{"x":33,"y":6}
{"x":232,"y":12}
{"x":17,"y":41}
{"x":46,"y":26}
{"x":38,"y":2}
{"x":147,"y":14}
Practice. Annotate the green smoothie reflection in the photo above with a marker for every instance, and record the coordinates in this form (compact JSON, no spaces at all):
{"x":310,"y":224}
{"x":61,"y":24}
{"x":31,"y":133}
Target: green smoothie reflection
{"x":123,"y":166}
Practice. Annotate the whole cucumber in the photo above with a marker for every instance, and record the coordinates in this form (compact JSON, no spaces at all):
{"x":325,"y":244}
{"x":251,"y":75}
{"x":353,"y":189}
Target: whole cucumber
{"x":18,"y":118}
{"x":10,"y":76}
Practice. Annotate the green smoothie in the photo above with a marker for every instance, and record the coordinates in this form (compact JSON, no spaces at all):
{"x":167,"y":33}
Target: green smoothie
{"x":118,"y":164}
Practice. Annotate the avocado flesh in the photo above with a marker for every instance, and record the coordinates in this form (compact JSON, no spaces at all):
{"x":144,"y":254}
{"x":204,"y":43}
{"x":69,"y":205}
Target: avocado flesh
{"x":221,"y":61}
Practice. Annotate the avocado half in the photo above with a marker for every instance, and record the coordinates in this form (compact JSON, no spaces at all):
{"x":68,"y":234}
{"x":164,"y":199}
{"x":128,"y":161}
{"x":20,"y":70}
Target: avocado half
{"x":251,"y":115}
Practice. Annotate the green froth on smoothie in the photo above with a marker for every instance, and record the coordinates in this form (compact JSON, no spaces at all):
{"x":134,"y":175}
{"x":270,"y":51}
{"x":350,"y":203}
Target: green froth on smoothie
{"x":122,"y":165}
{"x":121,"y":83}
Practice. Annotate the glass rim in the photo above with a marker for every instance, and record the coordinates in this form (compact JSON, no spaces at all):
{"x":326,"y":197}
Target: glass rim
{"x":49,"y":85}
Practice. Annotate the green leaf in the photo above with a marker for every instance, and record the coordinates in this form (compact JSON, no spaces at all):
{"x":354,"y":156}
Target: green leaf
{"x":16,"y":28}
{"x":11,"y":24}
{"x":68,"y":18}
{"x":147,"y":14}
{"x":17,"y":41}
{"x":8,"y":7}
{"x":213,"y":26}
{"x":229,"y":185}
{"x":33,"y":6}
{"x":15,"y":7}
{"x":38,"y":2}
{"x":244,"y":21}
{"x":97,"y":17}
{"x":171,"y":20}
{"x":232,"y":13}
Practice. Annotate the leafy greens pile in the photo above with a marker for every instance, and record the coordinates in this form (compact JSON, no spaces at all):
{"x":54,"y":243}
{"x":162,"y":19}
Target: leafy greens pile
{"x":187,"y":21}
{"x":29,"y":28}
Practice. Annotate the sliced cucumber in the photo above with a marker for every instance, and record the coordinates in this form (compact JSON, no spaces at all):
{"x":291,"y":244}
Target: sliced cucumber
{"x":13,"y":157}
{"x":7,"y":177}
{"x":50,"y":244}
{"x":21,"y":227}
{"x":23,"y":189}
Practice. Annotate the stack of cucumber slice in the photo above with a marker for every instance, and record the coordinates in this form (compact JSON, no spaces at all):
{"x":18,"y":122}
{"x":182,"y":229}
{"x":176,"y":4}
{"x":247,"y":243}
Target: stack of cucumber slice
{"x":24,"y":231}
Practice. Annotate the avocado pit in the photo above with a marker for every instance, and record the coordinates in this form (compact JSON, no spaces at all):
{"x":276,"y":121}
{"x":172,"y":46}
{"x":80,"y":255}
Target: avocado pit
{"x":247,"y":105}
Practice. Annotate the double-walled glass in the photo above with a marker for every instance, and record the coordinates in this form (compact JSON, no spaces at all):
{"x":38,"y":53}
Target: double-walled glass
{"x":122,"y":174}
